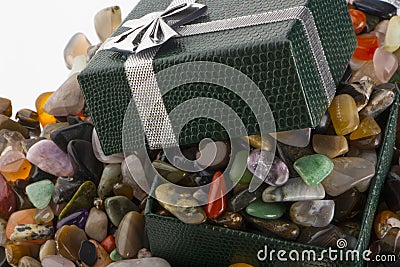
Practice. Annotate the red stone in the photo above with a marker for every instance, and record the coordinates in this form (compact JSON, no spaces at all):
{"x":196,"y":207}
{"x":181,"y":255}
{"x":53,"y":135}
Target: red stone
{"x":109,"y":243}
{"x":216,"y":198}
{"x":359,"y":20}
{"x":366,"y":46}
{"x":8,"y":202}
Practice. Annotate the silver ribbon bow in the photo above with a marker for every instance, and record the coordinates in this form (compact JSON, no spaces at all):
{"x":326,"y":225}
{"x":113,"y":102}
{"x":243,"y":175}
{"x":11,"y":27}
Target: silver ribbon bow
{"x":154,"y":29}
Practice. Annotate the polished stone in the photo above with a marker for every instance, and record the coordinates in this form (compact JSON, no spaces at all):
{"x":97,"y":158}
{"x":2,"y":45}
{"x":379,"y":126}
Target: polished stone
{"x":216,"y":204}
{"x":213,"y":155}
{"x":80,"y":131}
{"x":380,"y":100}
{"x":349,"y":204}
{"x":26,"y":232}
{"x":385,"y":64}
{"x":344,"y":114}
{"x":28,"y":118}
{"x":27,"y":261}
{"x":87,"y":253}
{"x":182,"y":205}
{"x":5,"y":107}
{"x":358,"y":19}
{"x":392,"y":42}
{"x":326,"y":237}
{"x":347,"y":173}
{"x":7,"y":123}
{"x":8,"y":202}
{"x":230,"y":220}
{"x":276,"y":228}
{"x":361,"y":91}
{"x":130,"y":235}
{"x":103,"y":258}
{"x":368,"y":127}
{"x":14,"y":166}
{"x":20,"y":217}
{"x":238,"y":172}
{"x":384,"y":222}
{"x":294,"y":190}
{"x":316,"y":213}
{"x":331,"y":146}
{"x":109,"y":243}
{"x":48,"y":249}
{"x":51,"y":127}
{"x":125,"y":190}
{"x":289,"y":155}
{"x":50,"y":158}
{"x":85,"y":163}
{"x":56,"y":261}
{"x":313,"y":169}
{"x":65,"y":189}
{"x":106,"y":21}
{"x":14,"y":252}
{"x":111,"y":175}
{"x":263,"y":210}
{"x":116,"y":208}
{"x":97,"y":224}
{"x":76,"y":46}
{"x":366,"y":46}
{"x":297,"y":138}
{"x":11,"y":140}
{"x":135,"y":172}
{"x":368,"y":143}
{"x":44,"y":117}
{"x":66,"y":100}
{"x":243,"y":198}
{"x":83,"y":198}
{"x":168,"y":171}
{"x":39,"y":193}
{"x":115,"y":256}
{"x":381,"y":9}
{"x":69,"y":239}
{"x":78,"y":218}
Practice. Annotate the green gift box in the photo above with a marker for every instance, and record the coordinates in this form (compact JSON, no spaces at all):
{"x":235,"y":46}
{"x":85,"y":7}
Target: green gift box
{"x":295,"y":52}
{"x":207,"y":245}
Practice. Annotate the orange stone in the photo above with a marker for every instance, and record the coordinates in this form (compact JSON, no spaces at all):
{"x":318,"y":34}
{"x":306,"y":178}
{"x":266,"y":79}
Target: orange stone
{"x":366,"y":46}
{"x":109,"y":243}
{"x":44,"y":117}
{"x":19,"y":169}
{"x":384,"y":222}
{"x":358,"y":19}
{"x":22,"y":217}
{"x":368,"y":127}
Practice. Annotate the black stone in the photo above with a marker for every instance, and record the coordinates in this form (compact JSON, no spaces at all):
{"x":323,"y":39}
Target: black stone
{"x":74,"y":120}
{"x":65,"y":189}
{"x":391,"y":194}
{"x":348,"y":204}
{"x":372,"y":21}
{"x":39,"y":174}
{"x":80,"y":131}
{"x":85,"y":163}
{"x":242,"y":199}
{"x":87,"y":253}
{"x":377,"y":8}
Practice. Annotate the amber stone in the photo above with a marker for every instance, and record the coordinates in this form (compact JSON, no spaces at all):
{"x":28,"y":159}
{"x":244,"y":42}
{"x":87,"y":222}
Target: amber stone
{"x":385,"y":221}
{"x":358,"y":19}
{"x":14,"y":166}
{"x":44,"y":117}
{"x":331,"y":146}
{"x":344,"y":114}
{"x":5,"y":107}
{"x":368,"y":127}
{"x":366,"y":46}
{"x":14,"y":252}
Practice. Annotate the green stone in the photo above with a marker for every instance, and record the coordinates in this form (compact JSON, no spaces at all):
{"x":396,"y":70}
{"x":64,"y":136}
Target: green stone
{"x":263,"y":210}
{"x":116,"y":208}
{"x":239,"y":172}
{"x":115,"y":256}
{"x":111,"y":176}
{"x":83,"y":198}
{"x":39,"y":193}
{"x":313,"y":169}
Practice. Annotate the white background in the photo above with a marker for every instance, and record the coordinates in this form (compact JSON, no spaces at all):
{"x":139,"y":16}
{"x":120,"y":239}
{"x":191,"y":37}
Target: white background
{"x":32,"y":40}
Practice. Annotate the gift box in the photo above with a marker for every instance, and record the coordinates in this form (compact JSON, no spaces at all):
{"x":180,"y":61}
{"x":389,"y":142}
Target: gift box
{"x":294,"y":52}
{"x":207,"y":245}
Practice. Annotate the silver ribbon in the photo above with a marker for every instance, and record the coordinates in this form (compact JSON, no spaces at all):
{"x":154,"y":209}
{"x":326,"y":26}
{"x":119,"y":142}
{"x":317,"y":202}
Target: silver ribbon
{"x":142,"y":79}
{"x":154,"y":29}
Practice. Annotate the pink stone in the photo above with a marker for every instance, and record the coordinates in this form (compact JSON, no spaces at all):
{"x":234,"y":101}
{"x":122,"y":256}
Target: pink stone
{"x":385,"y":64}
{"x":50,"y":158}
{"x":56,"y":261}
